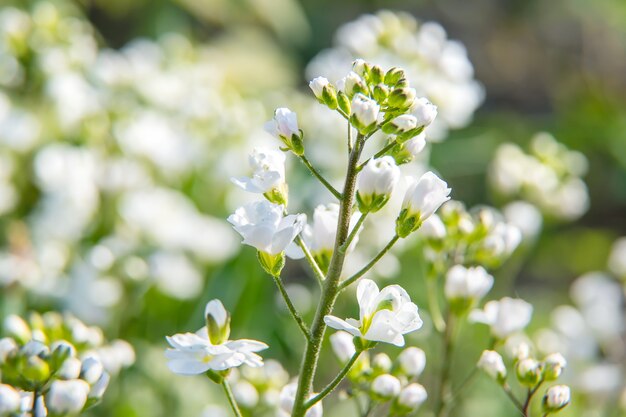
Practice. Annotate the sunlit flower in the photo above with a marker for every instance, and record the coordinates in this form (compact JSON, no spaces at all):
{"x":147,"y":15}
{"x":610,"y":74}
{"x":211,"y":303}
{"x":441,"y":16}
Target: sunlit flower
{"x":385,"y":316}
{"x":288,"y":398}
{"x":268,"y":175}
{"x":376,"y":182}
{"x":412,"y":396}
{"x":505,"y":317}
{"x":67,"y":397}
{"x":386,"y":387}
{"x":467,"y":284}
{"x":284,"y":126}
{"x":491,"y":362}
{"x":412,"y":361}
{"x":364,"y":113}
{"x":556,"y":398}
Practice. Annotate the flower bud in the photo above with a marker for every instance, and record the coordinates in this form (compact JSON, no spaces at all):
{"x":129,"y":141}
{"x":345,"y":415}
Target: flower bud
{"x":401,"y":124}
{"x":410,"y":398}
{"x":67,"y":397}
{"x":364,"y":113}
{"x":465,"y":286}
{"x":17,"y":328}
{"x":246,"y":394}
{"x":343,"y":102}
{"x":353,"y":84}
{"x":385,"y":387}
{"x":70,"y":369}
{"x":35,"y":369}
{"x":324,"y":91}
{"x":491,"y":362}
{"x":218,"y":322}
{"x":376,"y":75}
{"x":272,"y":264}
{"x":8,"y":347}
{"x":553,"y":365}
{"x":61,"y":350}
{"x":423,"y":197}
{"x":343,"y":346}
{"x":361,"y":67}
{"x":9,"y":400}
{"x":528,"y":372}
{"x":412,"y":361}
{"x":394,"y":75}
{"x":91,"y":370}
{"x":382,"y":363}
{"x":380,"y":92}
{"x":402,"y":98}
{"x":556,"y":398}
{"x":97,"y":390}
{"x":284,"y":126}
{"x":375,"y":183}
{"x":424,"y":111}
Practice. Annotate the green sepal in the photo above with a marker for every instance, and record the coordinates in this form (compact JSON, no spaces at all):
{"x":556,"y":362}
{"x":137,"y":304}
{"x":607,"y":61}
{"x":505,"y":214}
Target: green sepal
{"x":272,"y":264}
{"x":407,"y":223}
{"x":218,"y":334}
{"x":371,"y":203}
{"x":343,"y":102}
{"x":278,"y":195}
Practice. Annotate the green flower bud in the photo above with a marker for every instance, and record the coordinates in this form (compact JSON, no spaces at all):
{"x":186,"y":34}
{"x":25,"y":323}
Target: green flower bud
{"x":401,"y":98}
{"x":343,"y":102}
{"x":394,"y":75}
{"x":218,"y":322}
{"x":528,"y":372}
{"x":272,"y":264}
{"x":376,"y":75}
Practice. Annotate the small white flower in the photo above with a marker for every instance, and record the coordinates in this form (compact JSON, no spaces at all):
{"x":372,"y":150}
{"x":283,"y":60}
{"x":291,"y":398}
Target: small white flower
{"x":553,"y":366}
{"x":343,"y":346}
{"x":7,"y":346}
{"x":433,"y":228}
{"x":70,"y":369}
{"x":352,"y":83}
{"x":17,"y":328}
{"x":505,"y":317}
{"x":317,"y":85}
{"x":218,"y":322}
{"x":9,"y":400}
{"x":424,"y":111}
{"x":382,"y":363}
{"x":412,"y":396}
{"x":268,"y":171}
{"x":364,"y":113}
{"x":386,"y":386}
{"x":288,"y":398}
{"x":528,"y":371}
{"x":194,"y":353}
{"x":385,"y":316}
{"x":416,"y":144}
{"x":467,"y":283}
{"x":376,"y":182}
{"x":97,"y":390}
{"x":492,"y":363}
{"x":556,"y":398}
{"x":263,"y":225}
{"x":404,"y":123}
{"x":246,"y":394}
{"x":284,"y":126}
{"x":91,"y":370}
{"x":412,"y":361}
{"x":67,"y":397}
{"x":422,"y":198}
{"x":321,"y":235}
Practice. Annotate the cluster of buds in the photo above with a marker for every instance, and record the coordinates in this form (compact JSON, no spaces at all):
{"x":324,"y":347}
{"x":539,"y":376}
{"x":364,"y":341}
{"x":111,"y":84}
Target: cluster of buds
{"x":383,"y":379}
{"x":530,"y":373}
{"x":55,"y":364}
{"x":476,"y":237}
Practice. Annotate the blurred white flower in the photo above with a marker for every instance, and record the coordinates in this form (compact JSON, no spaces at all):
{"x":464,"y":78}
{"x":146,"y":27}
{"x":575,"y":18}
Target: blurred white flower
{"x":422,"y":198}
{"x":424,"y":111}
{"x":385,"y":316}
{"x":505,"y":317}
{"x":556,"y":398}
{"x":492,"y":363}
{"x":412,"y":396}
{"x":268,"y":168}
{"x":471,"y":283}
{"x":67,"y":397}
{"x":525,"y":216}
{"x":412,"y":361}
{"x":342,"y":344}
{"x":288,"y":398}
{"x":9,"y":400}
{"x":386,"y":387}
{"x":364,"y":113}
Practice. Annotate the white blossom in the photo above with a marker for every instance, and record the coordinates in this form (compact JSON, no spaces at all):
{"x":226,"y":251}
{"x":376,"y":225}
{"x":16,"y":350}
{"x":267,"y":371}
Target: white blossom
{"x":433,"y":228}
{"x":268,"y":171}
{"x":284,"y":124}
{"x":505,"y":317}
{"x":91,"y":370}
{"x":412,"y":396}
{"x":412,"y":361}
{"x":424,"y":111}
{"x":467,"y":283}
{"x":376,"y":182}
{"x":343,"y":345}
{"x":557,"y":397}
{"x":416,"y":144}
{"x":426,"y":195}
{"x":288,"y":398}
{"x":385,"y":316}
{"x":264,"y":226}
{"x":386,"y":386}
{"x":9,"y":400}
{"x":492,"y":363}
{"x":364,"y":111}
{"x":317,"y":85}
{"x":67,"y":397}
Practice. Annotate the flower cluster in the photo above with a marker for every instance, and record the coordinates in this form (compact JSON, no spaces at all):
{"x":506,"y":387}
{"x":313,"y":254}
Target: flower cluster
{"x":57,"y":364}
{"x":549,"y":176}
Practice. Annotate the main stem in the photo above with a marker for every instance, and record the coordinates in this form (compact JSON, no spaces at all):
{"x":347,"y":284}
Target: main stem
{"x":330,"y":290}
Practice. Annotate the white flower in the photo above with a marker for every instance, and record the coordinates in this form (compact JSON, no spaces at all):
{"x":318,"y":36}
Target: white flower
{"x":412,"y":361}
{"x":352,"y":84}
{"x":556,"y":398}
{"x":416,"y":144}
{"x":17,"y":328}
{"x":424,"y":111}
{"x":433,"y":228}
{"x":376,"y":182}
{"x":364,"y":113}
{"x":503,"y":239}
{"x":343,"y":346}
{"x":70,"y":369}
{"x":317,"y":85}
{"x":386,"y":386}
{"x":246,"y":394}
{"x":263,"y":225}
{"x":97,"y":389}
{"x":67,"y":397}
{"x":553,"y":365}
{"x":528,"y":371}
{"x":617,"y":258}
{"x":7,"y":346}
{"x":467,"y":283}
{"x":9,"y":400}
{"x":194,"y":353}
{"x":404,"y":123}
{"x":422,"y":198}
{"x":321,"y":235}
{"x":284,"y":126}
{"x":385,"y":316}
{"x":218,"y":322}
{"x":382,"y":363}
{"x":288,"y":398}
{"x":412,"y":396}
{"x":492,"y":363}
{"x":505,"y":317}
{"x":268,"y":171}
{"x":91,"y":370}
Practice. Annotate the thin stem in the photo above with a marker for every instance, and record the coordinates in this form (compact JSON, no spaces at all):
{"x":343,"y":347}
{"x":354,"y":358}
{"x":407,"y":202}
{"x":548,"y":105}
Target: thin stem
{"x":319,"y":176}
{"x":231,"y":398}
{"x":353,"y":233}
{"x":319,"y":275}
{"x":349,"y":136}
{"x":514,"y":400}
{"x":379,"y":153}
{"x":369,"y":266}
{"x":529,"y":397}
{"x":333,"y":384}
{"x":330,"y":291}
{"x":433,"y":303}
{"x":462,"y":386}
{"x":448,"y":346}
{"x":292,"y":308}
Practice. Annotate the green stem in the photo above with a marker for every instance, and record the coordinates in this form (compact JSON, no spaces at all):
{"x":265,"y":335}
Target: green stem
{"x":448,"y":346}
{"x":333,"y":384}
{"x":231,"y":398}
{"x":433,"y":303}
{"x":330,"y":291}
{"x":379,"y":153}
{"x":349,"y":136}
{"x":369,"y":266}
{"x":319,"y":176}
{"x":353,"y":233}
{"x":529,"y":397}
{"x":319,"y":275}
{"x":292,"y":308}
{"x":514,"y":400}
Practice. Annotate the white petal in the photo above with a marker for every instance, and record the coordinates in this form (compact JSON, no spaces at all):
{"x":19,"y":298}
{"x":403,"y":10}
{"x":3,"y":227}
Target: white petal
{"x":337,"y":323}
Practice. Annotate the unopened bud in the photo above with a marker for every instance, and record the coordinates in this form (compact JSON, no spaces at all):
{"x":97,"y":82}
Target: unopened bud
{"x":553,"y":365}
{"x":385,"y":387}
{"x":556,"y":398}
{"x":528,"y":372}
{"x":412,"y":361}
{"x":492,"y":363}
{"x":218,"y":322}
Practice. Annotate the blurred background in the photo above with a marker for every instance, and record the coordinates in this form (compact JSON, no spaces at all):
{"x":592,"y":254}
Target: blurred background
{"x":121,"y":122}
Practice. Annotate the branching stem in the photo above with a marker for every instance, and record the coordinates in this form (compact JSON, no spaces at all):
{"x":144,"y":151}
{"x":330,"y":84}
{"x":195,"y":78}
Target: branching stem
{"x":333,"y":384}
{"x":369,"y":266}
{"x":292,"y":308}
{"x":321,"y":178}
